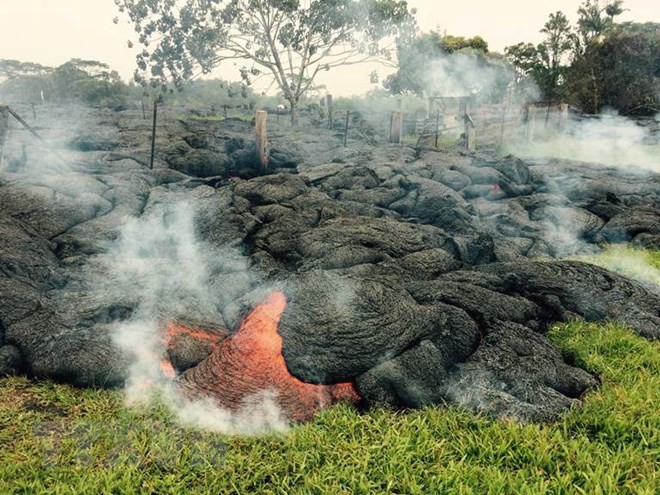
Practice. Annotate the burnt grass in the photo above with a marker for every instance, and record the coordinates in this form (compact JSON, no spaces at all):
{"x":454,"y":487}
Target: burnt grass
{"x":425,"y":277}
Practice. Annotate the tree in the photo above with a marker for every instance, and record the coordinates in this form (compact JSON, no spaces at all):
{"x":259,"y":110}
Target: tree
{"x":614,"y":8}
{"x":291,"y":41}
{"x":622,"y":71}
{"x":543,"y":62}
{"x":90,"y":81}
{"x":12,"y":69}
{"x":436,"y":64}
{"x":558,"y":39}
{"x":24,"y":81}
{"x":593,"y":23}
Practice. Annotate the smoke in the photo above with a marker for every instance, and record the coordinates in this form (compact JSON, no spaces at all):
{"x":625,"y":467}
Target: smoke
{"x":464,"y":73}
{"x":634,"y":263}
{"x":159,"y":263}
{"x":608,"y":139}
{"x":64,"y":131}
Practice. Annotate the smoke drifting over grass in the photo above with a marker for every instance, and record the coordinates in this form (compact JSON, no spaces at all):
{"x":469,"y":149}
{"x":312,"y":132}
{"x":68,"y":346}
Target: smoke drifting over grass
{"x":608,"y":139}
{"x":159,"y":263}
{"x":640,"y":265}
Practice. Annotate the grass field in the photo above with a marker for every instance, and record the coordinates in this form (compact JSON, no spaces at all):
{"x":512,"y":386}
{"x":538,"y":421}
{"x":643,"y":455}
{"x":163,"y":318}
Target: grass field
{"x":56,"y":439}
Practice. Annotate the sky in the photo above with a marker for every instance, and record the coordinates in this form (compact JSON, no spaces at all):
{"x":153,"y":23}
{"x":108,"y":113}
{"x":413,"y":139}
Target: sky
{"x":50,"y":32}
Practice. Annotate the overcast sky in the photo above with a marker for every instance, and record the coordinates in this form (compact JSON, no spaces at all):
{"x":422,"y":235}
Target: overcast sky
{"x":51,"y":32}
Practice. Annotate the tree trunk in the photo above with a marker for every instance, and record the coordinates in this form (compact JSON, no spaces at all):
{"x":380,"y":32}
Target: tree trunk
{"x":293,"y":105}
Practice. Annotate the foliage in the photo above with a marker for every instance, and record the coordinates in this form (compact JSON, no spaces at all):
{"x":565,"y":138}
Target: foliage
{"x":213,"y":93}
{"x":12,"y":69}
{"x":88,"y":81}
{"x":432,"y":64}
{"x":288,"y":40}
{"x":543,"y":62}
{"x":595,"y":19}
{"x":639,"y":264}
{"x":58,"y":439}
{"x":622,"y":71}
{"x":611,"y":65}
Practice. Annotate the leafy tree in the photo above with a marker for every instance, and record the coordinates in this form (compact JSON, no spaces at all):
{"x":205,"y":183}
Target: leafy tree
{"x":558,"y":41}
{"x":543,"y":62}
{"x":432,"y":63}
{"x":291,"y":41}
{"x":12,"y":69}
{"x":90,"y":81}
{"x":24,"y":81}
{"x":203,"y":93}
{"x":595,"y":19}
{"x":621,"y":71}
{"x":614,"y":8}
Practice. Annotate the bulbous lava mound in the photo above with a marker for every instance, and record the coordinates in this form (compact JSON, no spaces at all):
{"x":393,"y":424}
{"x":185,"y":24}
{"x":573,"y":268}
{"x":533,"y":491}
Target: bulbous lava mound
{"x":250,"y":362}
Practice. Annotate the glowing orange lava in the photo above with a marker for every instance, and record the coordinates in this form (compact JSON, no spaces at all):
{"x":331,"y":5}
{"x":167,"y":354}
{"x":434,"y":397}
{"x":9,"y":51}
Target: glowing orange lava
{"x":250,"y":361}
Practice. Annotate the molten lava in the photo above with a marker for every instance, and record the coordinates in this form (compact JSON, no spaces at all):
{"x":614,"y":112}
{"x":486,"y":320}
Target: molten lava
{"x":250,"y":361}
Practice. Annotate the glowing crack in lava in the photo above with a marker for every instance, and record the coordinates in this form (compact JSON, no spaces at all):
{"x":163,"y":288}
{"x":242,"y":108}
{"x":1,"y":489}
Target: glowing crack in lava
{"x":250,"y":362}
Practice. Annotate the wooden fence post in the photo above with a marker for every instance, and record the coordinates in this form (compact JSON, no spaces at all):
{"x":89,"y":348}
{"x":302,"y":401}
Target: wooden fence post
{"x":437,"y":127}
{"x":502,"y":120}
{"x":261,"y":139}
{"x":396,"y":126}
{"x":328,"y":100}
{"x":153,"y":135}
{"x":4,"y":128}
{"x":468,"y":126}
{"x":531,"y":122}
{"x":348,"y":114}
{"x":470,"y":137}
{"x":563,"y":118}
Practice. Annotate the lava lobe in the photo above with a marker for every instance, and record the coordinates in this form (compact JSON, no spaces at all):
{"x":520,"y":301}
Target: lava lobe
{"x":250,"y":362}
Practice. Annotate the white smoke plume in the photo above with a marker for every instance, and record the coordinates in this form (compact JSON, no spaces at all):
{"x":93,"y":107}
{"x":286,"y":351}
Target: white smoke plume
{"x":159,"y":262}
{"x":634,"y":263}
{"x":608,"y":139}
{"x":463,"y":73}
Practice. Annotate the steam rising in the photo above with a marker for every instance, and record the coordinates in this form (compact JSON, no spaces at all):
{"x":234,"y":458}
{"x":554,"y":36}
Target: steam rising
{"x":159,"y":263}
{"x":608,"y":139}
{"x":463,"y":74}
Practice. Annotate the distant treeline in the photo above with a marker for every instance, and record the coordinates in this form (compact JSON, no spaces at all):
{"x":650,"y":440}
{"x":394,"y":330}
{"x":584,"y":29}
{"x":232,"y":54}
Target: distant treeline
{"x":93,"y":83}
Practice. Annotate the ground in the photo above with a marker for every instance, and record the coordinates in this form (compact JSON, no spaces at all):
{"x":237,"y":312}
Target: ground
{"x":420,"y":277}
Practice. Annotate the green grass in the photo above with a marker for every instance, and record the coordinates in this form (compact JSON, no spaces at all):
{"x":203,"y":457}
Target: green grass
{"x":56,"y":439}
{"x":639,"y":264}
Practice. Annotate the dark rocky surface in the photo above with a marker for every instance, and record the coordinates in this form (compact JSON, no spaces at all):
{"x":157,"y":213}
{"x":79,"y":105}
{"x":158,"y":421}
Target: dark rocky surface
{"x":422,"y":281}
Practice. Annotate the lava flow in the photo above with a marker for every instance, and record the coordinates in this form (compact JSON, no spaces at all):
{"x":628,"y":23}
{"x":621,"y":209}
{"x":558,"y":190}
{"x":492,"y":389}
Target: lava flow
{"x":182,"y":341}
{"x":250,"y":361}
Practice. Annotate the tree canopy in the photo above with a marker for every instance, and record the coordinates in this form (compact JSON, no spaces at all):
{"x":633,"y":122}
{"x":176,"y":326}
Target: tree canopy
{"x":597,"y":63}
{"x":290,"y":41}
{"x":435,"y":64}
{"x":622,"y":71}
{"x":543,"y":62}
{"x":88,"y":81}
